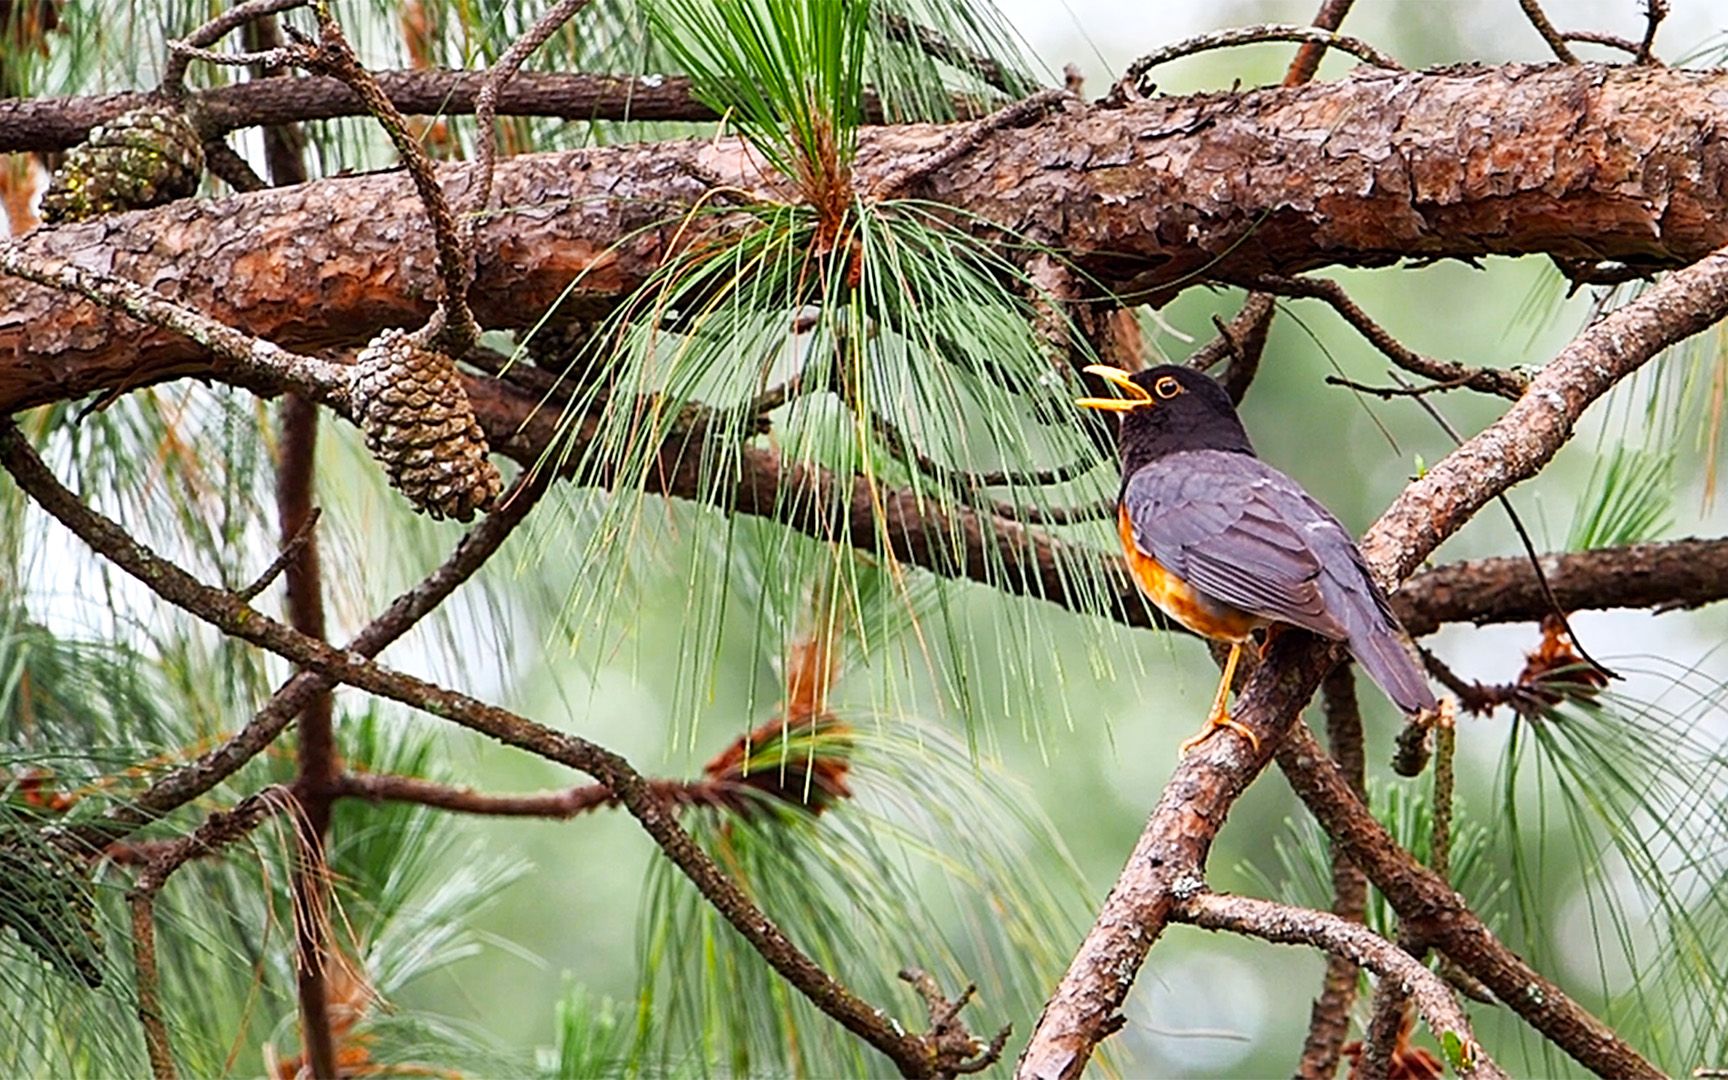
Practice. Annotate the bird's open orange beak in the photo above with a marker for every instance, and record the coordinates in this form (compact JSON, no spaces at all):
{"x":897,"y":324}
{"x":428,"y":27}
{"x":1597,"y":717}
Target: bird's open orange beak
{"x":1136,"y":394}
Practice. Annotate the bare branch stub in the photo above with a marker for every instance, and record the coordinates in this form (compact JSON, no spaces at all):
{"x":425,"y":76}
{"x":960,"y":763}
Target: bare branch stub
{"x":954,"y":1050}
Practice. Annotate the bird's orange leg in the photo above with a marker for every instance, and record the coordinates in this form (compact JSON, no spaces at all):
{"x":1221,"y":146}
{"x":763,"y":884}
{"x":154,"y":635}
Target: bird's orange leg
{"x":1220,"y":715}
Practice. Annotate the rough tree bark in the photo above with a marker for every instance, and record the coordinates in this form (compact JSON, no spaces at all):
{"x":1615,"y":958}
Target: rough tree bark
{"x":1584,"y":163}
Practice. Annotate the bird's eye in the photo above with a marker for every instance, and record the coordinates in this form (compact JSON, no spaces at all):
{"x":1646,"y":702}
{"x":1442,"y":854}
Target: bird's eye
{"x":1167,"y":387}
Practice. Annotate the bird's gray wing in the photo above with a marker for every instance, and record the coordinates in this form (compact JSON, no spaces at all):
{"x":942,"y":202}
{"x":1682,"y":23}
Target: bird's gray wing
{"x":1242,"y":533}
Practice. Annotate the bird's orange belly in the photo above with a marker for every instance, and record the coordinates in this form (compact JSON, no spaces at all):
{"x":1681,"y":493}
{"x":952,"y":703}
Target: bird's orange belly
{"x":1177,"y":599}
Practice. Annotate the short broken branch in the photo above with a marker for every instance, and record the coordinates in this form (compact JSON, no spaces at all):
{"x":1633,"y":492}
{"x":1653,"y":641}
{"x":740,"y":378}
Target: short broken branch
{"x":1497,"y":381}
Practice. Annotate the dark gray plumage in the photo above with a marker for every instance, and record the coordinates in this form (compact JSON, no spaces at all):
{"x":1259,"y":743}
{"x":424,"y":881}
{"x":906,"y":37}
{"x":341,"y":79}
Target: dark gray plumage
{"x":1248,"y":537}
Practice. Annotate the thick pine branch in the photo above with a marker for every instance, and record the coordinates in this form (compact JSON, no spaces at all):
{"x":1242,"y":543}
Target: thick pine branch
{"x":1411,"y":166}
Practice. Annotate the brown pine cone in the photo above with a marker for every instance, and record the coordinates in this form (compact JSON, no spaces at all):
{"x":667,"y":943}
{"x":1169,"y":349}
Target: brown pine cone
{"x":418,"y":424}
{"x":145,"y":157}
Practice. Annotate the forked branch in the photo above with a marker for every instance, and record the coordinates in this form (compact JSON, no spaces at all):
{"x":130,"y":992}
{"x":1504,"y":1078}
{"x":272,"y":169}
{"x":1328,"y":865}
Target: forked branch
{"x":914,"y":1055}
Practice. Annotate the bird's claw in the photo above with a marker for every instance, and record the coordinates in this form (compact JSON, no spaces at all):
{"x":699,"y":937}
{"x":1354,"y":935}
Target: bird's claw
{"x":1220,"y":720}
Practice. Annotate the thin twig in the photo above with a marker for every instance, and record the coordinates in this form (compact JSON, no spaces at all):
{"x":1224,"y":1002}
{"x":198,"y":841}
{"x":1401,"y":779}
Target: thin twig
{"x":1523,"y":537}
{"x":301,"y":537}
{"x":1056,"y":515}
{"x":1018,"y":114}
{"x":1507,"y":384}
{"x":486,"y":105}
{"x":456,"y":331}
{"x":1135,"y":76}
{"x":1308,"y":57}
{"x":1387,"y":393}
{"x":182,"y":52}
{"x":1556,"y":42}
{"x":280,"y":56}
{"x":1389,"y":1028}
{"x":49,"y":124}
{"x":1599,"y":37}
{"x":914,"y":1055}
{"x":962,"y":481}
{"x":1244,"y":340}
{"x":1284,"y":924}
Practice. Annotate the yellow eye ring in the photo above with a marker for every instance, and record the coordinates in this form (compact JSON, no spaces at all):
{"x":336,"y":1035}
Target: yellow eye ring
{"x":1167,"y":387}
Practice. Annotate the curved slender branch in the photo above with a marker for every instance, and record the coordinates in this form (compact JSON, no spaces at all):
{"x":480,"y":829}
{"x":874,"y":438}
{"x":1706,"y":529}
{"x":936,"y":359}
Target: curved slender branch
{"x":1503,"y":383}
{"x":1284,"y":924}
{"x":914,"y":1055}
{"x":181,"y":53}
{"x":486,"y":104}
{"x":1248,"y":35}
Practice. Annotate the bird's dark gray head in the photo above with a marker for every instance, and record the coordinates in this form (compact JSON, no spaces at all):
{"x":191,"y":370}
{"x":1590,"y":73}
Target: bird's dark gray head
{"x":1168,"y":409}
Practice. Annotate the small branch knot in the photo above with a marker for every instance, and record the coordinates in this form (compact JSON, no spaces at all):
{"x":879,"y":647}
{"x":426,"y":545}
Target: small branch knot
{"x":954,"y":1050}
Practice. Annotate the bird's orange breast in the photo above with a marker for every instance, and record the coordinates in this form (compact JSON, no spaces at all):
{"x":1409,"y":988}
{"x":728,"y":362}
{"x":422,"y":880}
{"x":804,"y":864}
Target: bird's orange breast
{"x":1181,"y":601}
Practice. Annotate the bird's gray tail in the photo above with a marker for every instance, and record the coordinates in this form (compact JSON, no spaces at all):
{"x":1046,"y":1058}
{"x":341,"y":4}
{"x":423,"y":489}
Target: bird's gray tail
{"x":1386,"y":657}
